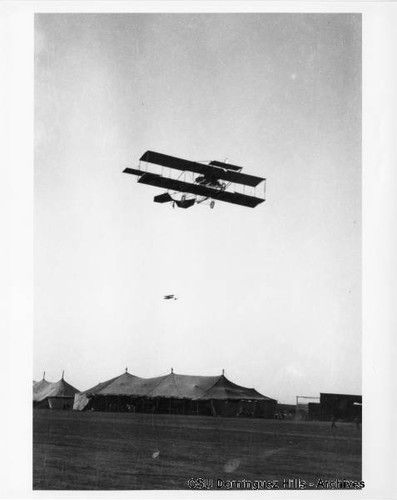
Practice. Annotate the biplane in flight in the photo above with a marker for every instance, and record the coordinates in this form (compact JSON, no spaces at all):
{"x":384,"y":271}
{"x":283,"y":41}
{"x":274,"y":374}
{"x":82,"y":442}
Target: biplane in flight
{"x":197,"y":182}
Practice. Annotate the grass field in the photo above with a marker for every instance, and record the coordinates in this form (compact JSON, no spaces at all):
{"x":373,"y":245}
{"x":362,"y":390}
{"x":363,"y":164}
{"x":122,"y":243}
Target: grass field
{"x":119,"y":451}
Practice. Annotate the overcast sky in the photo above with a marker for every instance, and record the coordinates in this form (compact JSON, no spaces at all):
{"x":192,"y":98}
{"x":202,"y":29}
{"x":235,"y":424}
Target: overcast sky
{"x":271,"y":294}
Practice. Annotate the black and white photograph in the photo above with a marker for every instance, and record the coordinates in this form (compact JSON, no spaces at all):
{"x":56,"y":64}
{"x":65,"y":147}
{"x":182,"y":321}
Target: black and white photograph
{"x":197,"y":240}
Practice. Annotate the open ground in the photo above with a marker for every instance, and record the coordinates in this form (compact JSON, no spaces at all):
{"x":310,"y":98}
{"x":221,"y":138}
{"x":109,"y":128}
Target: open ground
{"x":123,"y":451}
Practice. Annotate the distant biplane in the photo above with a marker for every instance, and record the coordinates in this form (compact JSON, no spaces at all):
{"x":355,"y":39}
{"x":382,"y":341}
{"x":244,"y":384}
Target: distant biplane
{"x":170,"y":297}
{"x":211,"y":184}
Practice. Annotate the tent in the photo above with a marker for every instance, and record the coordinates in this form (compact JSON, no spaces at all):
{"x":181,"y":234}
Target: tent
{"x":40,"y":389}
{"x":55,"y":396}
{"x":175,"y":393}
{"x":117,"y":385}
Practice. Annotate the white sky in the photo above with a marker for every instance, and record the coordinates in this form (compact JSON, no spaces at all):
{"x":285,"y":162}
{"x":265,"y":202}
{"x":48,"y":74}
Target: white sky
{"x":271,"y":294}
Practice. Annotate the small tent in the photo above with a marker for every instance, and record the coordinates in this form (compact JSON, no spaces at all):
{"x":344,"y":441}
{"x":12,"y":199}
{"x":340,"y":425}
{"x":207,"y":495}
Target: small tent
{"x":40,"y":389}
{"x":55,"y":396}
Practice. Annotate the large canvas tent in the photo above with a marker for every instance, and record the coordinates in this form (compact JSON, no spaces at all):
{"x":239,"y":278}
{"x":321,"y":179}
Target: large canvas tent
{"x":54,"y":395}
{"x":175,"y":393}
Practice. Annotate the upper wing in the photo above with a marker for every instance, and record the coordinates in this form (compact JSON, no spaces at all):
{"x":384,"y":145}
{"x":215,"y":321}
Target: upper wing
{"x":200,"y":190}
{"x":199,"y":168}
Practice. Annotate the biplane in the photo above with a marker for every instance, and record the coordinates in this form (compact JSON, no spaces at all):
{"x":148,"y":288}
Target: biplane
{"x":197,"y":182}
{"x":170,"y":297}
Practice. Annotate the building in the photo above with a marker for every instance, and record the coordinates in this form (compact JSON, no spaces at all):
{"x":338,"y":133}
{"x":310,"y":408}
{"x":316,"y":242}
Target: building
{"x":340,"y":406}
{"x":285,"y":411}
{"x":314,"y":411}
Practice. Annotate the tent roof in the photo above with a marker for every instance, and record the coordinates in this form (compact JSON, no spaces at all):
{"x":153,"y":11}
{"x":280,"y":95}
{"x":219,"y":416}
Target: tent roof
{"x":40,"y":388}
{"x":53,"y":390}
{"x":114,"y":385}
{"x":225,"y":389}
{"x":61,"y":389}
{"x":183,"y":386}
{"x":176,"y":386}
{"x":126,"y":384}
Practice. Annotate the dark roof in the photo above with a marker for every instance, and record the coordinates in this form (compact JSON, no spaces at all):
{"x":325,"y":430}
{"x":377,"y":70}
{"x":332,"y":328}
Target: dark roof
{"x":330,"y":395}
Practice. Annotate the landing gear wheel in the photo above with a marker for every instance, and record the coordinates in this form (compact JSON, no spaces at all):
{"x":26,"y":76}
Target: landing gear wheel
{"x":183,"y":198}
{"x":212,"y":204}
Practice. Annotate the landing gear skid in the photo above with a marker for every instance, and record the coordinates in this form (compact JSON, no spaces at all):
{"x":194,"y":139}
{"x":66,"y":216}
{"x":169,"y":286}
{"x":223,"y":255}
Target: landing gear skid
{"x":177,"y":203}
